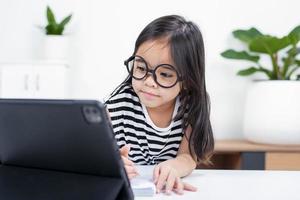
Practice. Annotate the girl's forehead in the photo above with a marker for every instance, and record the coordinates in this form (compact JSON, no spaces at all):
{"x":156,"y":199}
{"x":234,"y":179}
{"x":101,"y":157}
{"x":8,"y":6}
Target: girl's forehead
{"x":156,"y":52}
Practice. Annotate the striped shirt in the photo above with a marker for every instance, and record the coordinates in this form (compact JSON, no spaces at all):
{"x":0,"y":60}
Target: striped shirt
{"x":132,"y":125}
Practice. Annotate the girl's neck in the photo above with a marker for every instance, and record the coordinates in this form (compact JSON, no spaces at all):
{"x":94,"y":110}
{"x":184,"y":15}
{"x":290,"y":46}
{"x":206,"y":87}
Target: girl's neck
{"x":162,"y":116}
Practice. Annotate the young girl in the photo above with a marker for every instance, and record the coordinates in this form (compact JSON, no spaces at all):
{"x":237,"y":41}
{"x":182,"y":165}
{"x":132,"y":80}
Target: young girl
{"x":160,"y":113}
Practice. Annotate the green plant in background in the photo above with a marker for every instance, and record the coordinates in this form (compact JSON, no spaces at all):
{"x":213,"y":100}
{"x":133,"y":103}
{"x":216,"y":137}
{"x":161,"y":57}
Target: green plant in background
{"x":282,"y":52}
{"x":54,"y":28}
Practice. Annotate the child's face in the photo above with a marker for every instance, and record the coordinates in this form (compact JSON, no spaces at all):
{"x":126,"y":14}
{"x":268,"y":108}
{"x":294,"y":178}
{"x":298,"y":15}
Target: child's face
{"x":155,"y":52}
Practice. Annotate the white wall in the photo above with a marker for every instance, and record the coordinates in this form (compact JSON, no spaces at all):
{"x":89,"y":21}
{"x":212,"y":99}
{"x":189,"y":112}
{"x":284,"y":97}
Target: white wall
{"x":103,"y":35}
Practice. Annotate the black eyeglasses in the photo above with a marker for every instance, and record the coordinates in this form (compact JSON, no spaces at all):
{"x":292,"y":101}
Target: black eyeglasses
{"x":165,"y":75}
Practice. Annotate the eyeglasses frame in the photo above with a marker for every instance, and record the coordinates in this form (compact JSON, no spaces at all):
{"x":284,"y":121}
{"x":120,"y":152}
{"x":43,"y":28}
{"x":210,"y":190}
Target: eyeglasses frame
{"x":151,"y":71}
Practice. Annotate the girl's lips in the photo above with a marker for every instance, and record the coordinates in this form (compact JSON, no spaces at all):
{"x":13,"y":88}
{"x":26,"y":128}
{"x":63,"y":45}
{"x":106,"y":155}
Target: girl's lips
{"x":149,"y":94}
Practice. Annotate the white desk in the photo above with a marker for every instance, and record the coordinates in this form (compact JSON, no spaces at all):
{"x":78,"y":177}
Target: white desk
{"x":240,"y":185}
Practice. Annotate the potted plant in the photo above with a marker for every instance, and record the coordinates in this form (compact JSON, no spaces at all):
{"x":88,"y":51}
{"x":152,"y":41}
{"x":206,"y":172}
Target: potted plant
{"x":272,"y":109}
{"x":55,"y":44}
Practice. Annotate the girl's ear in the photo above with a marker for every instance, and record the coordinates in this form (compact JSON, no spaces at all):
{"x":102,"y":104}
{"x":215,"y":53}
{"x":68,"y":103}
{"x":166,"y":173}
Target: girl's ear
{"x":183,"y":90}
{"x":183,"y":87}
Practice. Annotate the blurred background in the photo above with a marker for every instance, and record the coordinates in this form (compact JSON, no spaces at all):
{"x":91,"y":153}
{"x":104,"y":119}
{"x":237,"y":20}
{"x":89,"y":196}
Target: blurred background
{"x":101,"y":35}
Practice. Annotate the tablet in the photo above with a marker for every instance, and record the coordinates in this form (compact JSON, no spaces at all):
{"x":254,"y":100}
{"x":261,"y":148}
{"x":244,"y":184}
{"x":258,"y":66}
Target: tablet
{"x":59,"y":136}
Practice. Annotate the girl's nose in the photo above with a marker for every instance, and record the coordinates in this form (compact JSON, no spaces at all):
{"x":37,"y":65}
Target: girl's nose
{"x":149,"y":81}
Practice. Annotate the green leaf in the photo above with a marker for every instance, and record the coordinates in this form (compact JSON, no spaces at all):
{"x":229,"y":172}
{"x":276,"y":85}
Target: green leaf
{"x":65,"y":21}
{"x":247,"y":72}
{"x":269,"y":73}
{"x":247,"y":35}
{"x":269,"y":44}
{"x":50,"y":29}
{"x":239,"y":55}
{"x":60,"y":30}
{"x":50,"y":16}
{"x":297,"y":62}
{"x":54,"y":30}
{"x":294,"y":35}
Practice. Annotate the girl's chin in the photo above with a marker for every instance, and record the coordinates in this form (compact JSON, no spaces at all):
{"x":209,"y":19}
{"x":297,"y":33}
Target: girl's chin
{"x":149,"y":102}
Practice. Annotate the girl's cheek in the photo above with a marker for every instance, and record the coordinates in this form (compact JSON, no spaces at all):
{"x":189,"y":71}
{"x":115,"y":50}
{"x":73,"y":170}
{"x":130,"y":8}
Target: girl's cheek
{"x":135,"y":85}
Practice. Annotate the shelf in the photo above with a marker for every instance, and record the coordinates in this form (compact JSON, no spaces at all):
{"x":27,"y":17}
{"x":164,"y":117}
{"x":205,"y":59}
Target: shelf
{"x":243,"y":145}
{"x":242,"y":154}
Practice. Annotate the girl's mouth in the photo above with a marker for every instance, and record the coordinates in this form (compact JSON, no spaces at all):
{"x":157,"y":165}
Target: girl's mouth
{"x":149,"y":94}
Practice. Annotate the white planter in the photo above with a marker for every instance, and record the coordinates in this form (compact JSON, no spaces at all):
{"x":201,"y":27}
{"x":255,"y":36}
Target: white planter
{"x":55,"y":47}
{"x":272,"y":112}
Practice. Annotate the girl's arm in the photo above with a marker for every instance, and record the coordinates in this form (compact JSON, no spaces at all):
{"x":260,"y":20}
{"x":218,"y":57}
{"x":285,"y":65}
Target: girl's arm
{"x":168,"y":173}
{"x":185,"y":160}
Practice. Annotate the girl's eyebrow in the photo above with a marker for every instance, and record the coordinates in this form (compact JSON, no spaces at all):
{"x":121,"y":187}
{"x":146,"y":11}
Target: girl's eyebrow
{"x":142,"y":59}
{"x":139,"y":60}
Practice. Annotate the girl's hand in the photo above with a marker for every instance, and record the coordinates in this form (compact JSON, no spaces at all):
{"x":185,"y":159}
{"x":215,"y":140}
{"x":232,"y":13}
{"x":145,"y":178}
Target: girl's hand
{"x":128,"y":164}
{"x":164,"y":175}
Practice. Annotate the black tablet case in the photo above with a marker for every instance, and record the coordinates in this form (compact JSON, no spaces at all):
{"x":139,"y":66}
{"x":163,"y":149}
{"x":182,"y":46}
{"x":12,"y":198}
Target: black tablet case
{"x":50,"y":150}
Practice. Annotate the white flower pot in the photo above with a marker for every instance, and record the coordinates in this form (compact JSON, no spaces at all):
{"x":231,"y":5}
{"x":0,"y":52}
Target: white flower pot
{"x":272,"y":112}
{"x":55,"y":47}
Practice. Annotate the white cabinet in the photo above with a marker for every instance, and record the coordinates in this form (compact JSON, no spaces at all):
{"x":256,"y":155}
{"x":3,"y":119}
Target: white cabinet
{"x":34,"y":80}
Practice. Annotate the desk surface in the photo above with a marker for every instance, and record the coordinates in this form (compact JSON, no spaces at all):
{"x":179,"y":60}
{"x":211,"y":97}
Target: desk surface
{"x":237,"y":184}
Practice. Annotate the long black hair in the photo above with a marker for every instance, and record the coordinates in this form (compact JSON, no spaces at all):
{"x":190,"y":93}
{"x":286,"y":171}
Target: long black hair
{"x":187,"y":52}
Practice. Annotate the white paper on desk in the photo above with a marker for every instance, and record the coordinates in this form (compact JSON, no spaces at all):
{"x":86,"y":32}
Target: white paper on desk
{"x":143,"y":185}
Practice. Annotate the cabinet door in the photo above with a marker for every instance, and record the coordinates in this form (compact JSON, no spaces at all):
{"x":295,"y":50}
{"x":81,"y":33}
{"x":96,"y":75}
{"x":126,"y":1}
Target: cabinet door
{"x":16,"y":82}
{"x":50,"y":81}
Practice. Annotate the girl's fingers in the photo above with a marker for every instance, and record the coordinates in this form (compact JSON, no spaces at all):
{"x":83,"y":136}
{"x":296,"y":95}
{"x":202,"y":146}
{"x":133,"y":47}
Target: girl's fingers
{"x":189,"y":187}
{"x":127,"y":161}
{"x":124,"y":150}
{"x":164,"y":173}
{"x":155,"y":174}
{"x":178,"y":186}
{"x":170,"y":183}
{"x":165,"y":177}
{"x":132,"y":175}
{"x":131,"y":169}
